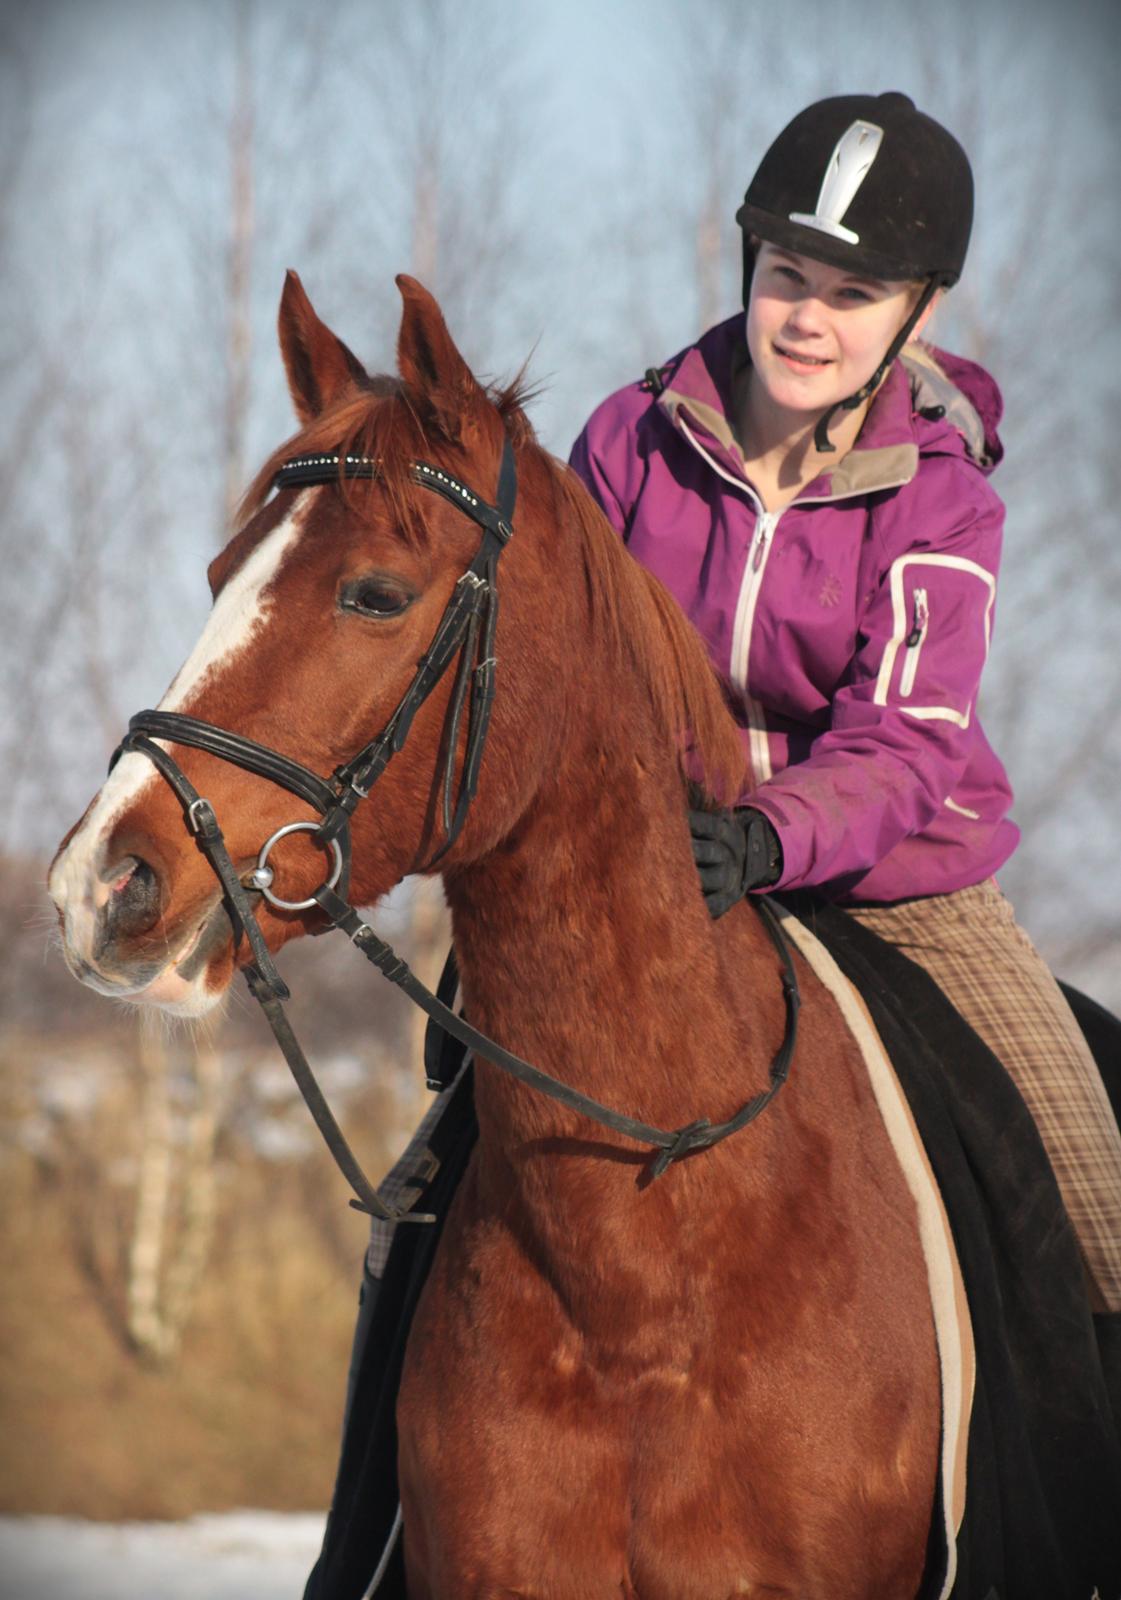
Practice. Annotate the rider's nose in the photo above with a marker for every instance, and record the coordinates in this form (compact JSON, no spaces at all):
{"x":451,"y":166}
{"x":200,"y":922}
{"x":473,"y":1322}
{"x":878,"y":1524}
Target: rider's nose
{"x":805,"y":316}
{"x":134,"y":902}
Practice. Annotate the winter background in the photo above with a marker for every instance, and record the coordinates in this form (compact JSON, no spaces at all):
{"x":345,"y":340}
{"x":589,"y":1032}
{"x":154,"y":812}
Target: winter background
{"x":564,"y":176}
{"x":254,"y":1555}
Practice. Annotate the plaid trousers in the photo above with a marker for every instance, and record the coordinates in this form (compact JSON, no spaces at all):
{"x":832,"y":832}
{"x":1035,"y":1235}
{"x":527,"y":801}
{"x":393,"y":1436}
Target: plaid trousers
{"x":405,"y":1180}
{"x":971,"y":945}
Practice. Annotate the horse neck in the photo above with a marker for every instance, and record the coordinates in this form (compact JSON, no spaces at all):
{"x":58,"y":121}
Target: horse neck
{"x":585,"y":946}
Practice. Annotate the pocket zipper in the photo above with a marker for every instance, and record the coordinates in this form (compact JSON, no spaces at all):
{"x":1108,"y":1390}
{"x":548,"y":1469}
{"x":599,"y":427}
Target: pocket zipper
{"x":920,"y":623}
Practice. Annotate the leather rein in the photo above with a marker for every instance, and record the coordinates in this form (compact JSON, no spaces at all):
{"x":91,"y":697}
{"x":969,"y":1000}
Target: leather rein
{"x":466,"y":629}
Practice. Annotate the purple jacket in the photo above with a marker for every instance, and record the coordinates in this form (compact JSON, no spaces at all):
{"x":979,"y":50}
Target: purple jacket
{"x":852,"y":627}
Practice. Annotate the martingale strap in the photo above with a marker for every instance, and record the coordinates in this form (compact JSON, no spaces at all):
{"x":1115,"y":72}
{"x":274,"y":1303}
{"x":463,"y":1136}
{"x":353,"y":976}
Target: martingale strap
{"x":671,"y":1144}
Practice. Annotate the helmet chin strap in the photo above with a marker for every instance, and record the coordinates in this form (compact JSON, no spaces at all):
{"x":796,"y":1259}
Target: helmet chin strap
{"x":822,"y":442}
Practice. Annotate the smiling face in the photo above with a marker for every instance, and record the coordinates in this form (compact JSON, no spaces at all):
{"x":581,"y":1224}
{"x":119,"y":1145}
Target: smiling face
{"x":816,"y":334}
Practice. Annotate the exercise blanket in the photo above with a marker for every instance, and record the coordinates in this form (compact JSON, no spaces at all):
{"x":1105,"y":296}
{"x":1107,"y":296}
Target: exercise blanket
{"x":1042,"y":1512}
{"x":1029,"y":1504}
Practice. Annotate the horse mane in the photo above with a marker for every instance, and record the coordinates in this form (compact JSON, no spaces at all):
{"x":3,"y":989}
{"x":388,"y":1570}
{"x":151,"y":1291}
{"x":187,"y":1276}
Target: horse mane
{"x":647,"y":630}
{"x":642,"y":624}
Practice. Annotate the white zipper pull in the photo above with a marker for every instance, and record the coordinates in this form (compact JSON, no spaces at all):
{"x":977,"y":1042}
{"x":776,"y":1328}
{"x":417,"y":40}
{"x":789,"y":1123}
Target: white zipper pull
{"x":920,"y":622}
{"x":763,"y":531}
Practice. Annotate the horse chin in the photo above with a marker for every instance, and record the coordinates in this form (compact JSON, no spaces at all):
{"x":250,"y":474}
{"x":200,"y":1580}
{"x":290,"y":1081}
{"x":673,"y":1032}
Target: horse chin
{"x":178,"y":996}
{"x":191,"y":984}
{"x":196,"y":980}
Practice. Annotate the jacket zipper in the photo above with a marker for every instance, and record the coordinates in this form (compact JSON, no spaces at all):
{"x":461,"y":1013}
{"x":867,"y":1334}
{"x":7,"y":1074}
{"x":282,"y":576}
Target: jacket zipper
{"x":920,"y":624}
{"x":762,"y":539}
{"x":766,"y":521}
{"x":759,"y":742}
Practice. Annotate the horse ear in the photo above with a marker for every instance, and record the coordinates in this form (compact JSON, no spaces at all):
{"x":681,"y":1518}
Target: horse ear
{"x":440,"y":383}
{"x":318,"y":364}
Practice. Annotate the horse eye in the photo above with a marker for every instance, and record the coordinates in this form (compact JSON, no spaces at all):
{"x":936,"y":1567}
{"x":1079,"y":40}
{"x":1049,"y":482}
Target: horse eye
{"x":375,"y":597}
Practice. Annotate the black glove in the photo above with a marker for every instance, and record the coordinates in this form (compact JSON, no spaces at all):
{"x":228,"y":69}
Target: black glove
{"x":735,"y":851}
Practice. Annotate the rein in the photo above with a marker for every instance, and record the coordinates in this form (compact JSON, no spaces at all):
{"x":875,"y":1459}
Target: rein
{"x":466,"y":629}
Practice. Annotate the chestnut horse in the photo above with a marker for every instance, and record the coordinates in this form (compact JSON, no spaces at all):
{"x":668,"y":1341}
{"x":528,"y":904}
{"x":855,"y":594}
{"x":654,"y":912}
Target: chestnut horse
{"x":721,"y":1383}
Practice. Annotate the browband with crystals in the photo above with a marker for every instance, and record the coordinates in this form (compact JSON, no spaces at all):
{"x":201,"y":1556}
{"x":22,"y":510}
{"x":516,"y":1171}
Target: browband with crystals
{"x":302,"y":471}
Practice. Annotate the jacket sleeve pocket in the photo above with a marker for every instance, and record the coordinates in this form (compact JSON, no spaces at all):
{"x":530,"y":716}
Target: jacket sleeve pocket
{"x":942,"y":608}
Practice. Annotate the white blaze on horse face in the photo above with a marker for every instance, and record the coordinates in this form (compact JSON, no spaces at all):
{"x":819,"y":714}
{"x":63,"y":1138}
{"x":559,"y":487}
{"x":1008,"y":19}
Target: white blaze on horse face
{"x":238,"y":614}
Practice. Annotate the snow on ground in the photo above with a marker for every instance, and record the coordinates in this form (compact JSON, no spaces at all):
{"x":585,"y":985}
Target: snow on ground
{"x":241,"y":1555}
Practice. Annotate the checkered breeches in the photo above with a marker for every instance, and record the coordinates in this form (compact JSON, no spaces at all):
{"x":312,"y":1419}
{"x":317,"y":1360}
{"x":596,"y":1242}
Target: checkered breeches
{"x":971,"y":945}
{"x":403,"y":1183}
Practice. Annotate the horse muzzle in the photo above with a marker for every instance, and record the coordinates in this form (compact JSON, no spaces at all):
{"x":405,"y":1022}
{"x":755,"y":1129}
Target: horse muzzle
{"x":116,"y":938}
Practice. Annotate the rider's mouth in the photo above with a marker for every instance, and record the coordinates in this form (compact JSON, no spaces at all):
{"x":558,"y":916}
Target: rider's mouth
{"x":801,"y":360}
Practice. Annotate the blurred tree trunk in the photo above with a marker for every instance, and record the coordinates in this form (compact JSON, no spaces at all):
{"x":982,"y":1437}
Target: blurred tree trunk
{"x":239,"y":280}
{"x":196,"y":1234}
{"x":166,"y":1266}
{"x":171,"y":1243}
{"x":147,"y":1326}
{"x":429,"y":942}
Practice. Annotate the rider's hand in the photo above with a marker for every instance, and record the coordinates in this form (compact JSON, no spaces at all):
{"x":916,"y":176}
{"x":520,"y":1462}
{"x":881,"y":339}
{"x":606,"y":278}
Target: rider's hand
{"x":735,"y":851}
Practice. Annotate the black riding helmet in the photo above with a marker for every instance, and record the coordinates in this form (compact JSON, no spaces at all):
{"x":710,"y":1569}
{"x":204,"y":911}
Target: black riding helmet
{"x":869,"y":184}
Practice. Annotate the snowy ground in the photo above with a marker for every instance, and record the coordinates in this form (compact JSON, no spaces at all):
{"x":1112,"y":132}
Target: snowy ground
{"x":243,"y":1555}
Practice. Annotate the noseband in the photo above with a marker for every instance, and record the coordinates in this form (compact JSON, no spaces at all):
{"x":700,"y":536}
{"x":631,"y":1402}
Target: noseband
{"x":466,"y":629}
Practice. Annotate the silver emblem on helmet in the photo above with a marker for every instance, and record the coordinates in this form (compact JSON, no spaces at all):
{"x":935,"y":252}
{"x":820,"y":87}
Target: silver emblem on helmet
{"x":848,"y":167}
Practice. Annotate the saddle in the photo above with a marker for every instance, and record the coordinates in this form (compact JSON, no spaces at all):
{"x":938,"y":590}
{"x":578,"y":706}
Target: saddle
{"x":1042,"y":1510}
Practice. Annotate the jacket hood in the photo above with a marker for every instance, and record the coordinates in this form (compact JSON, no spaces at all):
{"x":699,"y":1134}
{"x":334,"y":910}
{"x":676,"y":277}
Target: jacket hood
{"x":964,"y":392}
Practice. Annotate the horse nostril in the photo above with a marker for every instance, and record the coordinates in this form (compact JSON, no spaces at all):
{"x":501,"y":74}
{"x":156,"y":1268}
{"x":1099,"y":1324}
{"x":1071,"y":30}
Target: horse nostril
{"x":134,"y":897}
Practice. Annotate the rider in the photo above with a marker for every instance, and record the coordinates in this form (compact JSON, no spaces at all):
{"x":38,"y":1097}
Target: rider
{"x":811,"y":483}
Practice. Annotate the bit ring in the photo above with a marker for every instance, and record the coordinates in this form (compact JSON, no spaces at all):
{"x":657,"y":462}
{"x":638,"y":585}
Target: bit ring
{"x":262,"y":875}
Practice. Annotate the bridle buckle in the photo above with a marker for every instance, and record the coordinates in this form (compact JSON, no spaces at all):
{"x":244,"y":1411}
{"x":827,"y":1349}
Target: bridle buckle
{"x":197,"y":812}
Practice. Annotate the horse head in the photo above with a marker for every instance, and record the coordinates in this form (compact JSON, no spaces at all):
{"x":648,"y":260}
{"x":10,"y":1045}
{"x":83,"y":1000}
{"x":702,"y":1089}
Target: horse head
{"x":324,"y":601}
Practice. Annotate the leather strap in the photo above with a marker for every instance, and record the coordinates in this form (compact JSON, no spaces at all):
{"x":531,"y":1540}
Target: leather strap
{"x":204,"y":825}
{"x":671,"y":1144}
{"x":367,"y":1198}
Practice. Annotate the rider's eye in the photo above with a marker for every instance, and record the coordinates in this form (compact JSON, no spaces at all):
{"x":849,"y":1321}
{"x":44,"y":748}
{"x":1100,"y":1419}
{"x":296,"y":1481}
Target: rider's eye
{"x":375,"y":596}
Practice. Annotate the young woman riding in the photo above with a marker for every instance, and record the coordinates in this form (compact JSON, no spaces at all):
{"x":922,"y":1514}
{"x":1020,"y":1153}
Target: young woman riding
{"x":811,"y":483}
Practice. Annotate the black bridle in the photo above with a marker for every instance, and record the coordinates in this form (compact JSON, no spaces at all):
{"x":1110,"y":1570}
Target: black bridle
{"x":466,"y":629}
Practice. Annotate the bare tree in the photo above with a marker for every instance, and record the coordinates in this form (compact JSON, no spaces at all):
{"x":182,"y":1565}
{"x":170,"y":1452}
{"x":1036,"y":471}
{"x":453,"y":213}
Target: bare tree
{"x":239,"y":332}
{"x":167,"y":1256}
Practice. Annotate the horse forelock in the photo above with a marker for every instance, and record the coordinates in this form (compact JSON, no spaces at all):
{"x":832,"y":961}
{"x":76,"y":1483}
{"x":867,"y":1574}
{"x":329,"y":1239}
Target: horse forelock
{"x":386,"y":422}
{"x":645,"y":628}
